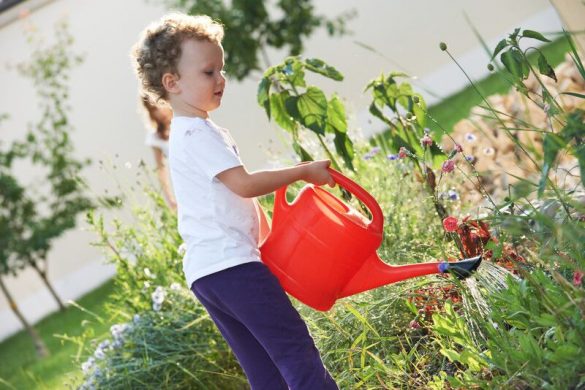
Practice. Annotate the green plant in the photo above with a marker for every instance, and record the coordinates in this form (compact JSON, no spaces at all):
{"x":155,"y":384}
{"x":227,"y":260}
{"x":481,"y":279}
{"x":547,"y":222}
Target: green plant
{"x":285,"y":96}
{"x":34,"y":216}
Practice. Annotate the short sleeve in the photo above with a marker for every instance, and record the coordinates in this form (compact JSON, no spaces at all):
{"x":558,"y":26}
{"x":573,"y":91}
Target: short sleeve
{"x":209,"y":151}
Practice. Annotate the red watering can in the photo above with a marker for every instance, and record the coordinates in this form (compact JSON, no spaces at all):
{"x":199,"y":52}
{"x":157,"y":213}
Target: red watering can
{"x":321,"y":249}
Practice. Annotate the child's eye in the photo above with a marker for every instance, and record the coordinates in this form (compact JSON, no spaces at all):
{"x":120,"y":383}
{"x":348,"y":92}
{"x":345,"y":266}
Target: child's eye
{"x":209,"y":72}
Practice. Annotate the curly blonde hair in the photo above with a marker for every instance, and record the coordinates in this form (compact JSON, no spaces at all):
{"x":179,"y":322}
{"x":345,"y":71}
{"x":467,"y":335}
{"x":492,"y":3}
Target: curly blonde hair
{"x":159,"y":48}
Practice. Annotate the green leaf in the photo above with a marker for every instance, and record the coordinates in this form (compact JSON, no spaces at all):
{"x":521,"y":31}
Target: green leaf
{"x":551,"y":145}
{"x":500,"y":46}
{"x":312,"y":107}
{"x":579,"y":95}
{"x":544,"y":67}
{"x":319,"y":66}
{"x":579,"y":152}
{"x":419,"y":110}
{"x":534,"y":35}
{"x":279,"y":112}
{"x":262,"y":96}
{"x":515,"y":63}
{"x":344,"y":148}
{"x":294,"y":72}
{"x":336,"y":119}
{"x":301,"y":152}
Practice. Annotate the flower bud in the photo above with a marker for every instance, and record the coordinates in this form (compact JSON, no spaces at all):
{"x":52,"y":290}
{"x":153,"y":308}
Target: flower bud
{"x":443,"y":46}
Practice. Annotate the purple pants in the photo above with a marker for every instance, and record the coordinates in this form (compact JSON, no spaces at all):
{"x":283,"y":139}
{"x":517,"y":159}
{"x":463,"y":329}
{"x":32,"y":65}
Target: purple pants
{"x":268,"y":336}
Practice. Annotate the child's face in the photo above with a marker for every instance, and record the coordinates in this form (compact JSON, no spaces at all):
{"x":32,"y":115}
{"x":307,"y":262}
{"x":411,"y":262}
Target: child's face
{"x":201,"y":81}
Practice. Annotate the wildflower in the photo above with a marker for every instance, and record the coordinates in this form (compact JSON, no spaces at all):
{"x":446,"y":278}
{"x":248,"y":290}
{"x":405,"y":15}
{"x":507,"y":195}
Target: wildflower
{"x":459,"y":148}
{"x":175,"y":286}
{"x":452,"y":195}
{"x":118,"y":330}
{"x":158,"y":296}
{"x":426,"y":141}
{"x":448,"y":166}
{"x":470,"y":159}
{"x":146,"y":285}
{"x":182,"y":249}
{"x":375,"y":150}
{"x":414,"y":324}
{"x":450,"y":224}
{"x":88,"y":365}
{"x":470,"y":137}
{"x":577,"y":278}
{"x":149,"y":274}
{"x":402,"y":153}
{"x":392,"y":157}
{"x":99,"y":353}
{"x":488,"y":151}
{"x":156,"y":306}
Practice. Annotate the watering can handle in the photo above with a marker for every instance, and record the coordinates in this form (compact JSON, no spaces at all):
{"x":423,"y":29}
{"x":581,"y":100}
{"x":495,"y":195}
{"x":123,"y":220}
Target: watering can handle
{"x":376,"y":225}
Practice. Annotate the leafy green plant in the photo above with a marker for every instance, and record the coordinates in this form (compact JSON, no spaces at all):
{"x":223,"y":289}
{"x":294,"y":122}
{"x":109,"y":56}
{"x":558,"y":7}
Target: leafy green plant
{"x":285,"y":96}
{"x":34,"y":216}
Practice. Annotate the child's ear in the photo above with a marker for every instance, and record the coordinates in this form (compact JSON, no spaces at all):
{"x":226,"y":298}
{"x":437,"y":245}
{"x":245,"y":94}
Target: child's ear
{"x":169,"y":83}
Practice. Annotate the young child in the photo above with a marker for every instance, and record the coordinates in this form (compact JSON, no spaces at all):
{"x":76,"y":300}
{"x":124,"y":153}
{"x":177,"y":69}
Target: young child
{"x":180,"y":59}
{"x":159,"y":117}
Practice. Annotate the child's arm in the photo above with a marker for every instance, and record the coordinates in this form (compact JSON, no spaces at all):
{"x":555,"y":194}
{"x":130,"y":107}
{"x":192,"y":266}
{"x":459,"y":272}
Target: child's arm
{"x":249,"y":185}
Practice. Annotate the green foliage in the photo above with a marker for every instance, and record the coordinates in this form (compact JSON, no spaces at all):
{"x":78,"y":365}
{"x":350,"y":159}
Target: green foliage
{"x":32,"y":217}
{"x":252,"y":27}
{"x":294,"y":106}
{"x":162,"y":337}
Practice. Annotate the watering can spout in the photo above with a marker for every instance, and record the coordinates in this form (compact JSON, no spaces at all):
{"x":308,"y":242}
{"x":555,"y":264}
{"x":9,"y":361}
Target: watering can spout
{"x":375,"y":273}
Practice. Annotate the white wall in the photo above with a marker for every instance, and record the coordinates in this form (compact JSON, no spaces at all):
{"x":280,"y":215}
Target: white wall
{"x":103,"y":92}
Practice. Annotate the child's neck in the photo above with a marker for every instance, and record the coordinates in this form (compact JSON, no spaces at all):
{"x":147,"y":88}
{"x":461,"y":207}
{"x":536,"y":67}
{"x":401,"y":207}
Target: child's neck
{"x":186,"y":110}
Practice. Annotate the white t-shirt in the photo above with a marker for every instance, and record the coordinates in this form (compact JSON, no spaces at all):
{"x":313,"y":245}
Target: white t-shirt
{"x":153,"y":140}
{"x":220,"y":229}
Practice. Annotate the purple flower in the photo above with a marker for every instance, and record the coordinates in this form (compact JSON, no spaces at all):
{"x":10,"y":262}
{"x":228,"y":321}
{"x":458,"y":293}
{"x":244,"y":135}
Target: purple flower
{"x":392,"y":157}
{"x":471,"y":159}
{"x":470,"y":137}
{"x":448,"y":166}
{"x":452,"y":195}
{"x":488,"y":151}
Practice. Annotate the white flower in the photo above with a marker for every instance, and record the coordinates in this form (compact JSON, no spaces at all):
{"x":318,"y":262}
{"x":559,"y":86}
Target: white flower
{"x":158,"y":296}
{"x":156,"y":306}
{"x":182,"y":249}
{"x":99,"y":353}
{"x":175,"y":286}
{"x":118,"y":330}
{"x":146,"y":285}
{"x":149,"y":274}
{"x":88,"y":365}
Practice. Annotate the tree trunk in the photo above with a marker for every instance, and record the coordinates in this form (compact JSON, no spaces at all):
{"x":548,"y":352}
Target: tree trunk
{"x":43,"y":275}
{"x":40,"y":346}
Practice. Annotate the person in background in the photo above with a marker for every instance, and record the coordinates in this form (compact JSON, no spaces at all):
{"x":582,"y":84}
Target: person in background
{"x":159,"y":117}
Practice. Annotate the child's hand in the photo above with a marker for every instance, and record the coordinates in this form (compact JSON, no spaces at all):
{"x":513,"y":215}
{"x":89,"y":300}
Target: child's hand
{"x":316,"y":173}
